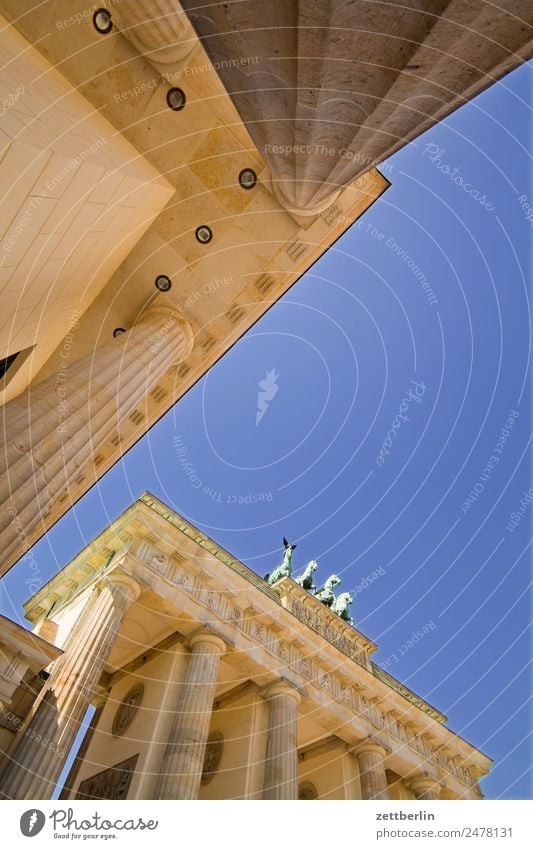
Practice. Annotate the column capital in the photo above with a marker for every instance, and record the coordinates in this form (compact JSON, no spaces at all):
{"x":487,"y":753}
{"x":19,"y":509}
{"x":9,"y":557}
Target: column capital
{"x":167,"y":313}
{"x":423,"y":783}
{"x":207,"y":638}
{"x":281,"y":688}
{"x":277,"y":190}
{"x":369,"y":745}
{"x":129,"y":585}
{"x":370,"y":756}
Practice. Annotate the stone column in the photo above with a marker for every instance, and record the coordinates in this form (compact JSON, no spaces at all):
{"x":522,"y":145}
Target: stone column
{"x":159,"y":30}
{"x":370,"y":757}
{"x":425,"y":788}
{"x":319,"y":118}
{"x":45,"y":743}
{"x":181,"y":768}
{"x":51,"y":431}
{"x":281,"y":753}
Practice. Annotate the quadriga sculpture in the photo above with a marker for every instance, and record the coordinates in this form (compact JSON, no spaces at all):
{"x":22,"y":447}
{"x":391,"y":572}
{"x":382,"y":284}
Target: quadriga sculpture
{"x":306,"y":579}
{"x":326,"y":594}
{"x":341,"y":606}
{"x":284,"y":570}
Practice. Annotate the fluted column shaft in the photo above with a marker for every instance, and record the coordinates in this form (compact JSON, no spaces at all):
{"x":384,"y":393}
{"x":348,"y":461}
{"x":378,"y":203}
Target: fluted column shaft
{"x":51,"y":431}
{"x":321,"y":119}
{"x":281,"y":753}
{"x":370,"y":757}
{"x":183,"y":760}
{"x":425,"y":788}
{"x":45,"y":743}
{"x":159,"y":29}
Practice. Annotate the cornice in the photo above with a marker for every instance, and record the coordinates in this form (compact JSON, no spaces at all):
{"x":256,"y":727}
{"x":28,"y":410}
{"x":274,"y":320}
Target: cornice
{"x":30,"y":645}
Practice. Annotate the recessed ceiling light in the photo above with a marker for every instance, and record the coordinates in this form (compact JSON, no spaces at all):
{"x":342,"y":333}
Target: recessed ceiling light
{"x":102,"y":21}
{"x":204,"y":234}
{"x":163,"y":283}
{"x":247,"y":178}
{"x":117,"y":332}
{"x":176,"y":99}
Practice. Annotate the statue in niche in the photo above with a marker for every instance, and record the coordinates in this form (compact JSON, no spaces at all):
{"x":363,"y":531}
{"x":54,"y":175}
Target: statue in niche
{"x":326,"y":594}
{"x":284,"y":570}
{"x":306,"y":580}
{"x":127,"y":709}
{"x":341,"y":607}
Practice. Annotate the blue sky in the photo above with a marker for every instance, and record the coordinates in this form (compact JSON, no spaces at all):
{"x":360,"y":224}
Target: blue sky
{"x":367,"y":362}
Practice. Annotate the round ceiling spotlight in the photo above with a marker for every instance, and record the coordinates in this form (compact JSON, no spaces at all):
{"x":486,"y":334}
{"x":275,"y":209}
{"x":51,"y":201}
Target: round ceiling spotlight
{"x":118,"y":331}
{"x":163,"y":283}
{"x":247,"y":178}
{"x":176,"y":99}
{"x":204,"y":234}
{"x":102,"y":21}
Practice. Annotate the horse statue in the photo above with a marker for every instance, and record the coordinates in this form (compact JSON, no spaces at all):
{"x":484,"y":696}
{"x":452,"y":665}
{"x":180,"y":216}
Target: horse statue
{"x":306,"y":580}
{"x":284,"y":570}
{"x":341,"y":607}
{"x":326,"y":594}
